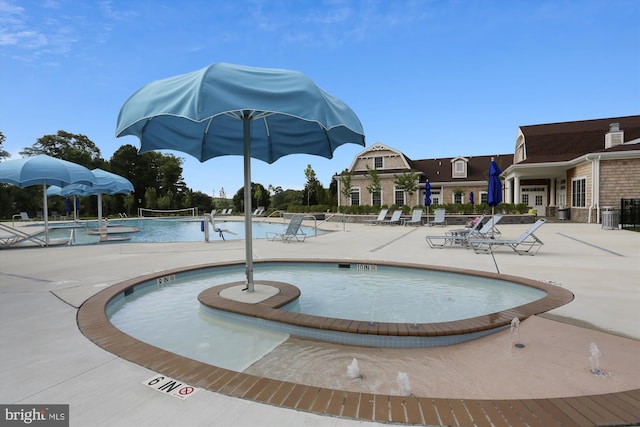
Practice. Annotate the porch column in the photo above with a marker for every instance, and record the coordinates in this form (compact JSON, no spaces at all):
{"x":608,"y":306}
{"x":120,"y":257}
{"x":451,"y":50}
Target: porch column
{"x":552,"y":192}
{"x":516,"y":189}
{"x":507,"y":189}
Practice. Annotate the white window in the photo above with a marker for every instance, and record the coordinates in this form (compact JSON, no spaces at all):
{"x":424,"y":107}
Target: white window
{"x":457,"y":197}
{"x":355,"y":196}
{"x":376,"y":198}
{"x":377,"y":162}
{"x":484,"y":197}
{"x":520,"y":150}
{"x":435,"y":197}
{"x":579,"y":192}
{"x":562,"y":193}
{"x":399,"y":199}
{"x":459,"y":169}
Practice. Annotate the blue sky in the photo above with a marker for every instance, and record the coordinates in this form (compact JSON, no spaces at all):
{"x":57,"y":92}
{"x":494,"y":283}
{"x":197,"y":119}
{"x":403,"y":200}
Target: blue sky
{"x":429,"y":78}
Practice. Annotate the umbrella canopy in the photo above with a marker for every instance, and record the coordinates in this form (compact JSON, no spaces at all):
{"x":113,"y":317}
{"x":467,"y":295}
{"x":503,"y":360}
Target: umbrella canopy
{"x":427,"y":197}
{"x":471,"y":201}
{"x":226,"y":109}
{"x":106,"y":183}
{"x":44,"y":170}
{"x":427,"y":193}
{"x":494,"y":192}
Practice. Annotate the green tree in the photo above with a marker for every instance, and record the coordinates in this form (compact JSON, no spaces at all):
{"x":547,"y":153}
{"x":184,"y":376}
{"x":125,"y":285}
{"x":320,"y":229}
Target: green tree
{"x":375,"y":187}
{"x":3,"y":153}
{"x":264,"y":200}
{"x":346,"y":186}
{"x":151,"y":198}
{"x":312,"y":186}
{"x":162,"y":172}
{"x":75,"y":148}
{"x":407,"y":181}
{"x":278,"y":197}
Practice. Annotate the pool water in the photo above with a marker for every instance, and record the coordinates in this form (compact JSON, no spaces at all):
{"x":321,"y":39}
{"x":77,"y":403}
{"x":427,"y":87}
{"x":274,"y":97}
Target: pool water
{"x":169,"y":230}
{"x":169,"y":315}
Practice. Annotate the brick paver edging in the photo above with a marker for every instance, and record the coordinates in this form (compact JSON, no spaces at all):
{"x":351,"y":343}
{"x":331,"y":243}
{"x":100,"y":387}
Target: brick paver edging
{"x":622,"y":408}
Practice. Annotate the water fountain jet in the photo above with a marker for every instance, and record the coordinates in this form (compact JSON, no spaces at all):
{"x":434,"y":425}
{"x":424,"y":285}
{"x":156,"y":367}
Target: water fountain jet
{"x":594,"y":359}
{"x":515,"y":333}
{"x":404,"y":384}
{"x":353,"y":370}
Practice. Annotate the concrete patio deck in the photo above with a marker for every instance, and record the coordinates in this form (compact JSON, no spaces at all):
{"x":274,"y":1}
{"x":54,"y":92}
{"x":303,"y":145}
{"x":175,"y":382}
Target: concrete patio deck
{"x":44,"y":357}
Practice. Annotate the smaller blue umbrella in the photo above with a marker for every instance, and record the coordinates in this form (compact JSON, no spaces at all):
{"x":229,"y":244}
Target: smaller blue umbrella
{"x":44,"y":170}
{"x":471,"y":201}
{"x":106,"y":183}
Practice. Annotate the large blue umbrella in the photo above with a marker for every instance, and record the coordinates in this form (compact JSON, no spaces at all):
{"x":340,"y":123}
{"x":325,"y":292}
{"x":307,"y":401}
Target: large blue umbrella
{"x":106,"y":183}
{"x":494,"y":196}
{"x":427,"y":197}
{"x":494,"y":191}
{"x":44,"y":170}
{"x":226,"y":109}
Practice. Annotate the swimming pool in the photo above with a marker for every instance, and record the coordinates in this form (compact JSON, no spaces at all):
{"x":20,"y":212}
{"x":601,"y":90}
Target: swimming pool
{"x":165,"y":312}
{"x":160,"y":230}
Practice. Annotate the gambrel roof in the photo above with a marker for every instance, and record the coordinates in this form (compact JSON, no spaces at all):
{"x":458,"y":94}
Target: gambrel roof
{"x":440,"y":170}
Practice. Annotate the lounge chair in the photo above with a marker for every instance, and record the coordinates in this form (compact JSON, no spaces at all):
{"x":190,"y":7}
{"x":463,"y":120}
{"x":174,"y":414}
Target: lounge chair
{"x":292,"y":231}
{"x":529,"y":242}
{"x":381,"y":216}
{"x":395,"y":218}
{"x":416,"y":218}
{"x":23,"y":217}
{"x":10,"y":236}
{"x":489,"y":229}
{"x":462,"y":236}
{"x":440,"y":218}
{"x":259,"y":211}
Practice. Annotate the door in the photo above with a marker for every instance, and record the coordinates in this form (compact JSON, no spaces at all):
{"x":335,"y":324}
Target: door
{"x":535,"y":198}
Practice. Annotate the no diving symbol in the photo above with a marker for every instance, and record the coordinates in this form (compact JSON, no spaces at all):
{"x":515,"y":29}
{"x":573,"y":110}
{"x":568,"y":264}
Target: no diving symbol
{"x":170,"y":386}
{"x":185,"y":391}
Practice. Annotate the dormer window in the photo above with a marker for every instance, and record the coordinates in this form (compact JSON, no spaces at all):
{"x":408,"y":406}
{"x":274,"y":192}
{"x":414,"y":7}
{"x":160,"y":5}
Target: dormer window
{"x":459,"y":167}
{"x":520,"y":150}
{"x":377,"y":162}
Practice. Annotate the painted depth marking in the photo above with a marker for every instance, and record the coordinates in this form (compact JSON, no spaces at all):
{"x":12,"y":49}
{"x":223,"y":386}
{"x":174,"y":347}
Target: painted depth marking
{"x":170,"y":386}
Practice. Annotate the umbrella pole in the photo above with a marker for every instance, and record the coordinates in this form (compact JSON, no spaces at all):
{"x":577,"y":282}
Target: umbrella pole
{"x":248,"y":232}
{"x":100,"y":210}
{"x":45,"y":212}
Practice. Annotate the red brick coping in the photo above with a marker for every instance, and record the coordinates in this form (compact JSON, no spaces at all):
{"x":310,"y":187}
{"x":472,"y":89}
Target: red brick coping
{"x":622,"y":408}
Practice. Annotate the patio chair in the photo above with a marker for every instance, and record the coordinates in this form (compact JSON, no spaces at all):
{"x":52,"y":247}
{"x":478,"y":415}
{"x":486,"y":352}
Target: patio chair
{"x":416,"y":218}
{"x":440,"y":218}
{"x":259,"y":211}
{"x":489,"y":229}
{"x":529,"y":242}
{"x":23,"y":217}
{"x":461,"y":236}
{"x":291,"y":232}
{"x":10,"y":236}
{"x":394,"y":220}
{"x":381,"y":216}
